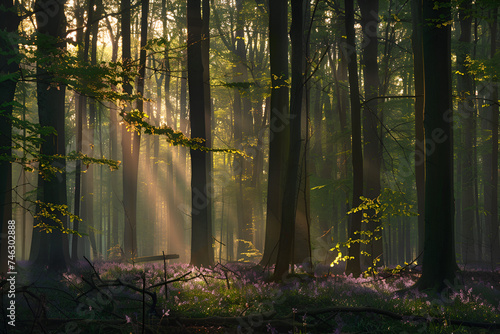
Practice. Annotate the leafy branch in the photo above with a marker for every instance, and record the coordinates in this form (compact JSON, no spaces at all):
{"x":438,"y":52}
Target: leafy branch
{"x":388,"y":203}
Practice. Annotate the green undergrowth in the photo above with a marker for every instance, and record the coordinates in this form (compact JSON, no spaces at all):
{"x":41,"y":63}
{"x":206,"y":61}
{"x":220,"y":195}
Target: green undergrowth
{"x":323,"y":303}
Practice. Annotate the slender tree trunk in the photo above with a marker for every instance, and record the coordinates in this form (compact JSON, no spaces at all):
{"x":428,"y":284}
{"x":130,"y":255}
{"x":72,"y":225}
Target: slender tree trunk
{"x":296,"y":160}
{"x":439,"y":264}
{"x":9,"y":22}
{"x":342,"y":106}
{"x":258,"y":168}
{"x":205,"y":57}
{"x":302,"y":250}
{"x":53,"y":248}
{"x":184,"y":127}
{"x":79,"y":101}
{"x":113,"y":150}
{"x":477,"y":246}
{"x":242,"y":131}
{"x":130,"y":149}
{"x":201,"y":226}
{"x":418,"y":73}
{"x":279,"y":126}
{"x":89,"y":175}
{"x":466,"y":110}
{"x":353,"y":265}
{"x":114,"y":191}
{"x":371,"y":133}
{"x":492,"y":201}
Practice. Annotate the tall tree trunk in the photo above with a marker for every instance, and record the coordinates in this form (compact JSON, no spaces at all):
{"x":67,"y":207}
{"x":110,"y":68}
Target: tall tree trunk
{"x":79,"y":101}
{"x":93,"y":29}
{"x":353,"y":265}
{"x":466,"y":110}
{"x":296,"y":160}
{"x":302,"y":250}
{"x":418,"y":73}
{"x":184,"y":127}
{"x":477,"y":247}
{"x":342,"y":106}
{"x":140,"y":88}
{"x":492,"y":201}
{"x":53,"y":249}
{"x":439,"y":264}
{"x":171,"y":223}
{"x":130,"y":148}
{"x":9,"y":22}
{"x":201,"y":226}
{"x":242,"y":132}
{"x":371,"y":134}
{"x":207,"y":100}
{"x":279,"y":126}
{"x":113,"y":147}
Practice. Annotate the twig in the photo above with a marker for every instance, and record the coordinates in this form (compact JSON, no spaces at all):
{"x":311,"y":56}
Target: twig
{"x":171,"y":281}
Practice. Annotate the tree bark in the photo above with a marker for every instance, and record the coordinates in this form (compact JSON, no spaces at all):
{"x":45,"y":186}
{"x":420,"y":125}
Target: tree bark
{"x":492,"y":201}
{"x":53,"y":250}
{"x":9,"y":22}
{"x":296,"y":161}
{"x":439,"y":264}
{"x":201,"y":227}
{"x":130,"y":149}
{"x":79,"y":105}
{"x":279,"y":126}
{"x":242,"y":132}
{"x":371,"y":133}
{"x":353,"y":265}
{"x":466,"y":111}
{"x":418,"y":73}
{"x":205,"y":58}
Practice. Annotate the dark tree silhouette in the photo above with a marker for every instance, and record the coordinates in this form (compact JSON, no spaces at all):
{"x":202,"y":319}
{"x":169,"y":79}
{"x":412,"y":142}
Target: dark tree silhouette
{"x":130,"y":149}
{"x":9,"y":22}
{"x":279,"y":121}
{"x":353,"y":265}
{"x":51,"y":249}
{"x":418,"y":70}
{"x":295,"y":162}
{"x":201,"y":233}
{"x":439,"y":264}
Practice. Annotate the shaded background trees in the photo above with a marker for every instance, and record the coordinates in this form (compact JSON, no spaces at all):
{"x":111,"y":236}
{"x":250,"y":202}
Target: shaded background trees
{"x":339,"y":127}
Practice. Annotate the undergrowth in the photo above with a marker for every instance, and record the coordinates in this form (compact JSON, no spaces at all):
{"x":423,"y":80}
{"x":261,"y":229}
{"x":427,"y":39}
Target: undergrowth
{"x":319,"y":303}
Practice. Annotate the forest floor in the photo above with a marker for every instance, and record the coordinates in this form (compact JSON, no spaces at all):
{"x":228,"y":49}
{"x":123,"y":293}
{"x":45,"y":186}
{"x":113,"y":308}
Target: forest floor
{"x":110,"y":297}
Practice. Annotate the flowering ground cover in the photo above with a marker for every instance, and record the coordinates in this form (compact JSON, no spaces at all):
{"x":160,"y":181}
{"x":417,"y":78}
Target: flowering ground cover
{"x":109,"y":297}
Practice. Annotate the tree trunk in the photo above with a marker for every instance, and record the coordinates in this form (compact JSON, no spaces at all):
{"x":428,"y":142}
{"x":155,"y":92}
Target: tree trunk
{"x":492,"y":201}
{"x":201,"y":227}
{"x":353,"y":265}
{"x":8,"y":65}
{"x":418,"y":72}
{"x":296,"y":161}
{"x":130,"y":148}
{"x":113,"y":148}
{"x":279,"y":126}
{"x":53,"y":250}
{"x":242,"y":131}
{"x":371,"y":133}
{"x":79,"y":105}
{"x":439,"y":264}
{"x":466,"y":111}
{"x":88,"y":179}
{"x":207,"y":100}
{"x":302,"y":250}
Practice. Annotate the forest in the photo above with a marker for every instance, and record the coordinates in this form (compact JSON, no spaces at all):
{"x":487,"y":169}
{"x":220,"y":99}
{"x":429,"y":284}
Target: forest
{"x":249,"y":166}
